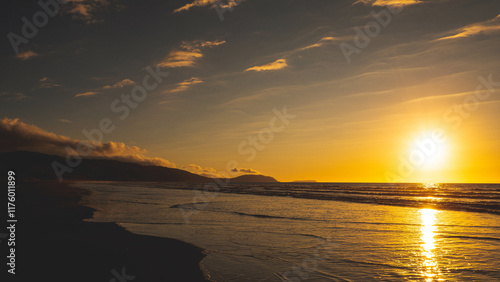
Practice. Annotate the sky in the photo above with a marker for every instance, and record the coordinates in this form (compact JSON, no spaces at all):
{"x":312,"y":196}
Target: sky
{"x":332,"y":91}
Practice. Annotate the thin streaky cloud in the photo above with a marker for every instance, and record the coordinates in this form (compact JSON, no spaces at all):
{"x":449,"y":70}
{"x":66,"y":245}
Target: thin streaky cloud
{"x":486,"y":27}
{"x":187,"y":54}
{"x":320,"y":43}
{"x":9,"y":96}
{"x":388,"y":2}
{"x":26,"y":55}
{"x":120,"y":84}
{"x":47,"y":82}
{"x":202,"y":3}
{"x":87,"y":94}
{"x":276,"y":65}
{"x":185,"y":85}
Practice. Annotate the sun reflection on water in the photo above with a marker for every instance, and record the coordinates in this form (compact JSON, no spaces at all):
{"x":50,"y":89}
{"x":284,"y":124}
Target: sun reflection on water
{"x":430,"y":185}
{"x":430,"y":265}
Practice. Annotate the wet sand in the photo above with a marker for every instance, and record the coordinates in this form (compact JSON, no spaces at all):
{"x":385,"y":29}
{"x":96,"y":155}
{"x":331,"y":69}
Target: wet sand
{"x":54,"y":243}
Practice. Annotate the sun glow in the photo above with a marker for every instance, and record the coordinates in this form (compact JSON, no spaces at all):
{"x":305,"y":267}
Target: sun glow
{"x":429,"y":151}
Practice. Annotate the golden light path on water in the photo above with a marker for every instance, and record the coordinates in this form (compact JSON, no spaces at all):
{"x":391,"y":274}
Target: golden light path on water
{"x":430,"y":265}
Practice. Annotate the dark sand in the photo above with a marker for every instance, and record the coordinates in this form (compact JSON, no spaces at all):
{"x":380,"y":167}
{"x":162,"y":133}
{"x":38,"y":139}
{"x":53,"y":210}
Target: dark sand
{"x":55,"y":244}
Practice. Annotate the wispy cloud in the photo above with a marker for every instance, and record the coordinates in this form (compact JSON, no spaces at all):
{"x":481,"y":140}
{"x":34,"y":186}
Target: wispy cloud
{"x":47,"y":82}
{"x":65,"y":120}
{"x":245,"y":171}
{"x":388,"y":2}
{"x":12,"y":96}
{"x":320,"y":43}
{"x":185,"y":85}
{"x":207,"y":171}
{"x":481,"y":28}
{"x":87,"y":94}
{"x":276,"y":65}
{"x":202,"y":3}
{"x":26,"y":55}
{"x":120,"y":84}
{"x":16,"y":136}
{"x":187,"y":53}
{"x":85,"y":10}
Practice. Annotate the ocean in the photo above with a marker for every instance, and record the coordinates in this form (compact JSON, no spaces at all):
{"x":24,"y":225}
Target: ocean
{"x":318,"y":231}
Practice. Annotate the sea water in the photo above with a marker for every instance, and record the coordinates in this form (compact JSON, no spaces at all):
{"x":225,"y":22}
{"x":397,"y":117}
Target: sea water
{"x":318,"y":232}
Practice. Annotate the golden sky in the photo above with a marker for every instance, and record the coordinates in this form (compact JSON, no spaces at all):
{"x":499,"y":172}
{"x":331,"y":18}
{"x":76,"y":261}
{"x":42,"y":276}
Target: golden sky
{"x":366,"y":83}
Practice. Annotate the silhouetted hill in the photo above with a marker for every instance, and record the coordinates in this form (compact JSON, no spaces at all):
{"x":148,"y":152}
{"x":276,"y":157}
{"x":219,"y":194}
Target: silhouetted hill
{"x":38,"y":166}
{"x":253,"y":178}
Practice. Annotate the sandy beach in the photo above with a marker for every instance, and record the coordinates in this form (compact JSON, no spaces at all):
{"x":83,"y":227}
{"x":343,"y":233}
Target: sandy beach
{"x":56,"y":244}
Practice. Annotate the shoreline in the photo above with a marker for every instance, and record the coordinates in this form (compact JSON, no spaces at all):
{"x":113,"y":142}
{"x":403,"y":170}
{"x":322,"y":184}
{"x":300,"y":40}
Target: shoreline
{"x":56,"y":242}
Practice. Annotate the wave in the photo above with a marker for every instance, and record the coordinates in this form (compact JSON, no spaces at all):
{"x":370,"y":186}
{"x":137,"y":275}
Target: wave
{"x":470,"y":237}
{"x":483,"y":198}
{"x":192,"y":206}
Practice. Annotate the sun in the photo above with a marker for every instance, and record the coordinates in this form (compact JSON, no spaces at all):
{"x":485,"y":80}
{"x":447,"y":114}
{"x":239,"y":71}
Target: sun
{"x":429,"y":151}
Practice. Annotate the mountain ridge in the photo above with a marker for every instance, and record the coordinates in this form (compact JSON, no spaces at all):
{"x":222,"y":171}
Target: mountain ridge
{"x":38,"y":166}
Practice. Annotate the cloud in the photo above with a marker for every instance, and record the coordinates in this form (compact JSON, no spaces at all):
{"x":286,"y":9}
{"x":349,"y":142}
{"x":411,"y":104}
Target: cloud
{"x":277,"y":65}
{"x":26,"y":55}
{"x":320,"y":43}
{"x":186,"y":84}
{"x":87,"y":94}
{"x":16,"y":136}
{"x":245,"y":171}
{"x":187,"y":53}
{"x":207,"y":171}
{"x":85,"y":10}
{"x":201,"y":3}
{"x":47,"y":82}
{"x":9,"y":96}
{"x":388,"y":2}
{"x":65,"y":120}
{"x":481,"y":28}
{"x":120,"y":84}
{"x":211,"y":43}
